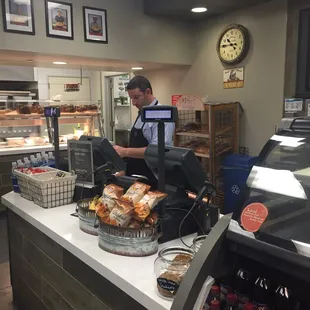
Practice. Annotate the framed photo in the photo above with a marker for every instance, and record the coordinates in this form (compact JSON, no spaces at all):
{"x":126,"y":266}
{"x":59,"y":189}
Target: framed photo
{"x":59,"y":20}
{"x":18,"y":16}
{"x":95,"y":25}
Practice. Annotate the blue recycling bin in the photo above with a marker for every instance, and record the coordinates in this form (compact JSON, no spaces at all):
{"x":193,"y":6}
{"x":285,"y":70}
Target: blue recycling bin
{"x":236,"y":171}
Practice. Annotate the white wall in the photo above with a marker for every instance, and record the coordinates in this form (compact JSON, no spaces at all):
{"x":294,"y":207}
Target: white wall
{"x":132,"y":35}
{"x":262,"y":95}
{"x":41,"y":76}
{"x":16,"y":73}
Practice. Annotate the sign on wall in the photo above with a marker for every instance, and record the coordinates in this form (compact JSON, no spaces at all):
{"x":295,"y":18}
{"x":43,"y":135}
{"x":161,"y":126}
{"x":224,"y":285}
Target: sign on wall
{"x":187,"y":102}
{"x":233,"y":78}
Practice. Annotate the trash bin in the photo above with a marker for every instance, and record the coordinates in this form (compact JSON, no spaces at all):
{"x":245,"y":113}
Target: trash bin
{"x":236,"y":171}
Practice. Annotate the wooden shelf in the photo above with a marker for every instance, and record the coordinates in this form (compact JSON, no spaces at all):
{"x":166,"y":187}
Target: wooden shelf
{"x":193,"y":134}
{"x":202,"y":155}
{"x":227,"y":149}
{"x":221,"y":132}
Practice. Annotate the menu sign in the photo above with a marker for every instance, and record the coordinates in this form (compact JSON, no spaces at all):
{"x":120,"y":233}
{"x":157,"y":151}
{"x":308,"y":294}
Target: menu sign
{"x":80,"y":155}
{"x":187,"y":103}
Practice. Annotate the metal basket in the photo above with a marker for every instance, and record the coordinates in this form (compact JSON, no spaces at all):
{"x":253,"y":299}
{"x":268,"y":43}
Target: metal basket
{"x":128,"y":241}
{"x":87,"y":218}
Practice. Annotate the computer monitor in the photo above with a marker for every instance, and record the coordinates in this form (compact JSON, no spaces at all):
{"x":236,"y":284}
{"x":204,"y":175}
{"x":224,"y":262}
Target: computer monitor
{"x":183,"y":170}
{"x":103,"y":153}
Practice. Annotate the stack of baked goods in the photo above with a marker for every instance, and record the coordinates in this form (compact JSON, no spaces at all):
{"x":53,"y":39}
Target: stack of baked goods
{"x":134,"y":209}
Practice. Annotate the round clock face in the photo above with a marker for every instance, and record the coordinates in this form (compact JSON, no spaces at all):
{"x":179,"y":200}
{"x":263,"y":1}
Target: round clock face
{"x":233,"y":44}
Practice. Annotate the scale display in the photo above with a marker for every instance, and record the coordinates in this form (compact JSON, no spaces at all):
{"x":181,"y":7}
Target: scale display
{"x":159,"y":113}
{"x":52,"y":112}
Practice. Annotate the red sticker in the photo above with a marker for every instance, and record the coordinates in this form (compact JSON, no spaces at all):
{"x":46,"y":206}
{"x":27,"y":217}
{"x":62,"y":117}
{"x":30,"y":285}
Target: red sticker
{"x":253,"y":216}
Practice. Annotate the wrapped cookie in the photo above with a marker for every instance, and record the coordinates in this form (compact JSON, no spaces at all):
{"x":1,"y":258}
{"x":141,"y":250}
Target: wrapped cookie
{"x":110,"y":193}
{"x":136,"y":192}
{"x":147,"y":203}
{"x":121,"y":214}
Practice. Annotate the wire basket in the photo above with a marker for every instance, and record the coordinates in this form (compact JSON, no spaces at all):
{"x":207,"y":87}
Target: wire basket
{"x":45,"y":190}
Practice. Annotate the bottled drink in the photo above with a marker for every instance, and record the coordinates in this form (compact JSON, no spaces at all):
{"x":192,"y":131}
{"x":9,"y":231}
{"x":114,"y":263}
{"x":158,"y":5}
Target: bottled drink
{"x":261,"y":294}
{"x":215,"y":305}
{"x":248,"y":306}
{"x":243,"y":285}
{"x":213,"y":295}
{"x":283,"y":299}
{"x":226,"y":286}
{"x":14,"y":178}
{"x":231,"y":302}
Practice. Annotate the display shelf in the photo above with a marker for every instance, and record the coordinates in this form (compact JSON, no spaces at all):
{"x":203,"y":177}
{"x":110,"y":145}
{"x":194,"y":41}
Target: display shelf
{"x":202,"y":155}
{"x":193,"y":134}
{"x":219,"y":134}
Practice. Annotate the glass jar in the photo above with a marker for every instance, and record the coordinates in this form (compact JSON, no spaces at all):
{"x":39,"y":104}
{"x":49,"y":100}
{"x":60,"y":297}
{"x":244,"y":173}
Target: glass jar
{"x":197,"y":242}
{"x":170,"y":268}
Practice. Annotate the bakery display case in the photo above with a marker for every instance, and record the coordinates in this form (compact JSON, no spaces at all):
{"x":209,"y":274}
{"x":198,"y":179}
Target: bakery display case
{"x":212,"y":133}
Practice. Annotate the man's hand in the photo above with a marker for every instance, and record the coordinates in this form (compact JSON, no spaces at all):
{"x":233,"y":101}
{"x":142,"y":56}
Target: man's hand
{"x":120,"y":174}
{"x":121,"y":151}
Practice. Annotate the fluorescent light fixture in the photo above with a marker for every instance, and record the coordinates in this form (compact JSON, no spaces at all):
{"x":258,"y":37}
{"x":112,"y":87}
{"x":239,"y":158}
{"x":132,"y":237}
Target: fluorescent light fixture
{"x":137,"y":68}
{"x":29,"y":60}
{"x":199,"y":9}
{"x":60,"y":62}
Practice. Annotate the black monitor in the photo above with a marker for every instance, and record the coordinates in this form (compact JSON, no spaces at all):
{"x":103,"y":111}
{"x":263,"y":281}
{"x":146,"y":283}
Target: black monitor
{"x":103,"y":153}
{"x":183,"y":170}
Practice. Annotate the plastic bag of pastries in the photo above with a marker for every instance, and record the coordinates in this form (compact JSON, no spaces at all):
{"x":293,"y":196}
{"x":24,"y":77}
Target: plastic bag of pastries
{"x":102,"y":211}
{"x":110,"y":193}
{"x":121,"y":213}
{"x":147,"y":203}
{"x":136,"y":192}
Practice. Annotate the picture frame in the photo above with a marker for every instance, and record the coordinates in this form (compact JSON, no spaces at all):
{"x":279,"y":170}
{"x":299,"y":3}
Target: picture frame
{"x":95,"y":25}
{"x":18,"y":17}
{"x":59,"y":20}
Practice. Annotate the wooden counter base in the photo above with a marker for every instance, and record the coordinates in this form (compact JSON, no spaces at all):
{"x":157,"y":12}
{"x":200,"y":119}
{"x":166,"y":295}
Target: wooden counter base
{"x":45,"y":276}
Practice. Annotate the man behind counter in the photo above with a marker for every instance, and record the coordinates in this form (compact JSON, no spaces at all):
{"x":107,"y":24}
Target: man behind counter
{"x":142,"y":134}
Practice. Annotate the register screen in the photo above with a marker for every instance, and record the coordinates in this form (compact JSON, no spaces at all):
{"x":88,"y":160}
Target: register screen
{"x":158,"y":114}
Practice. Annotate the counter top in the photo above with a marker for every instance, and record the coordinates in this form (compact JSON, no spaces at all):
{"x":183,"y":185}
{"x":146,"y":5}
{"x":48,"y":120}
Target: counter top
{"x":30,"y":149}
{"x":135,"y":276}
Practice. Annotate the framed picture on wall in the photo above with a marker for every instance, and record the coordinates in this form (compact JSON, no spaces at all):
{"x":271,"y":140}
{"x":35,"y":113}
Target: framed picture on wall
{"x":95,"y":25}
{"x":59,"y":19}
{"x":18,"y":16}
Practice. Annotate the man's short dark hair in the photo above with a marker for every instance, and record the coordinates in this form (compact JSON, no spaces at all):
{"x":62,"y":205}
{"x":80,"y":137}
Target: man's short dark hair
{"x":139,"y":82}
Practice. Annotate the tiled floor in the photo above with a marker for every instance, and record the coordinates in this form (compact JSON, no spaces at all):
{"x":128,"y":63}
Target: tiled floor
{"x":6,"y":301}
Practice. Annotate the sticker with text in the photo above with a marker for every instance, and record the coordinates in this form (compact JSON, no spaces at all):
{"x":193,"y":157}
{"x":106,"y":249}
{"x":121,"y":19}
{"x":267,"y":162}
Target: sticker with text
{"x":253,"y":216}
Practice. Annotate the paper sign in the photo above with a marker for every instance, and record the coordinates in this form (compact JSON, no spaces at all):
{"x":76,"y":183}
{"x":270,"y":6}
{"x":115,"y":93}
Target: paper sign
{"x":174,"y":99}
{"x":189,"y":102}
{"x":233,"y":78}
{"x":253,"y":216}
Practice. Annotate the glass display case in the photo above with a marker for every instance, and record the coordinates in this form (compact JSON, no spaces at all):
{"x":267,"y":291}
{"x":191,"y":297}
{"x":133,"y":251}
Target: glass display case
{"x":22,"y":122}
{"x":278,"y":189}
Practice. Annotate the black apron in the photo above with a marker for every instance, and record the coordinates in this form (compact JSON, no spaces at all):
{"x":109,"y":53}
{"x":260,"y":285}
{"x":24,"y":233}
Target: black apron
{"x":136,"y":165}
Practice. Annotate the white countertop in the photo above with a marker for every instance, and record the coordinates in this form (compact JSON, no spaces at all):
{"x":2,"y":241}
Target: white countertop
{"x":30,"y":149}
{"x":133,"y":275}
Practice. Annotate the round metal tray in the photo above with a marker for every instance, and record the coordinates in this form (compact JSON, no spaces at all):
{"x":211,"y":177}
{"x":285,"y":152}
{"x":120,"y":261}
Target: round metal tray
{"x":128,"y":241}
{"x":87,"y":218}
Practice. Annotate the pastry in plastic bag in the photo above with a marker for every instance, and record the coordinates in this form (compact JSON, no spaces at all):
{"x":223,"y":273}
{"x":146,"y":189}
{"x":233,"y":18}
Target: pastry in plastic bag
{"x":110,"y":193}
{"x":102,"y":211}
{"x":147,"y":203}
{"x":121,"y":214}
{"x":136,"y":192}
{"x":135,"y":224}
{"x":113,"y":191}
{"x":152,"y":219}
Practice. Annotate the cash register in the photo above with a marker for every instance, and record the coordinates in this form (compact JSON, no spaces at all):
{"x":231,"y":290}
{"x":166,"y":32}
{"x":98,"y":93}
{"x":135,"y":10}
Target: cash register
{"x":268,"y":235}
{"x":182,"y":173}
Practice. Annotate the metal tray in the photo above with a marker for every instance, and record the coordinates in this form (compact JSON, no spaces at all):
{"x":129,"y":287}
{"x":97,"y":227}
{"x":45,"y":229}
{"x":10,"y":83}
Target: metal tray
{"x":128,"y":241}
{"x":87,"y":218}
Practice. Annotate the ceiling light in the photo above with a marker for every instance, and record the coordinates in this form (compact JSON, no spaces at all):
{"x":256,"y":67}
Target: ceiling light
{"x":137,"y":68}
{"x":199,"y":9}
{"x":60,"y":62}
{"x":29,"y":60}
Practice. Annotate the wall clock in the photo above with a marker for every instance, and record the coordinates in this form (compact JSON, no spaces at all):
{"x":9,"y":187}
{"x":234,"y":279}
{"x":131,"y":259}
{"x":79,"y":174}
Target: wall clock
{"x":233,"y":44}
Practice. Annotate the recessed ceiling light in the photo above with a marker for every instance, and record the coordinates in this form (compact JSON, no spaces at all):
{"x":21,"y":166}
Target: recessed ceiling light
{"x":60,"y":62}
{"x":137,"y":68}
{"x":199,"y":9}
{"x":29,"y":60}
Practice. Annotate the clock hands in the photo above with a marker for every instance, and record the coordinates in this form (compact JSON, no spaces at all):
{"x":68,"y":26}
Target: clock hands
{"x":230,"y":44}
